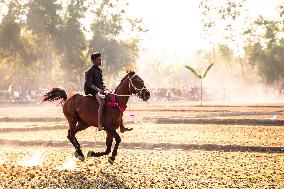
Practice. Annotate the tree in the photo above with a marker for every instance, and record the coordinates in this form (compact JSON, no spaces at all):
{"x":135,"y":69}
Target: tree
{"x":45,"y":40}
{"x":15,"y":49}
{"x":224,"y":19}
{"x":71,"y":41}
{"x":265,"y":50}
{"x":107,"y":28}
{"x":209,"y":25}
{"x":43,"y":21}
{"x":201,"y":77}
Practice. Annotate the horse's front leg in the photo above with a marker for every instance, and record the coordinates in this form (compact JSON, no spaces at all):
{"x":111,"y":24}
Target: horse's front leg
{"x":109,"y":139}
{"x":117,"y":141}
{"x":122,"y":127}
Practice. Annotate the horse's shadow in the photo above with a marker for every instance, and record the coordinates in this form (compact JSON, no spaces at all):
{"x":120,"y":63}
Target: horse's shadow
{"x":149,"y":146}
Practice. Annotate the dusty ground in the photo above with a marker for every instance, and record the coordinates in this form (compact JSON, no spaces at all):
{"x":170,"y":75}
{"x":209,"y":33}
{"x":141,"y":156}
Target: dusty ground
{"x":225,"y":147}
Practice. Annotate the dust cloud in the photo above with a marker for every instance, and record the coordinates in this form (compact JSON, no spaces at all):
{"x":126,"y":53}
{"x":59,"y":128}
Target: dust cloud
{"x":225,"y":83}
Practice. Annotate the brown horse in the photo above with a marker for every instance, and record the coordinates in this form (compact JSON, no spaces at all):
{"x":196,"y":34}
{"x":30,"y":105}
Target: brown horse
{"x":81,"y":112}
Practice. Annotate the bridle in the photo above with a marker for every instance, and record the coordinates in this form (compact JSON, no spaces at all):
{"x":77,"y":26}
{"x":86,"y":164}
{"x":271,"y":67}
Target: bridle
{"x":138,"y":92}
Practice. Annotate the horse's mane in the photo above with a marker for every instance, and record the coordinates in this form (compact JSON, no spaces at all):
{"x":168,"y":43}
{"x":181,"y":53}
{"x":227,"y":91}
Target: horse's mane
{"x":129,"y":73}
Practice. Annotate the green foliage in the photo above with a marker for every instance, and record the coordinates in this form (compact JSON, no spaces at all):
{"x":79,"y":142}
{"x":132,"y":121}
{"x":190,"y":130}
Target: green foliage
{"x":199,"y":75}
{"x":15,"y":50}
{"x":44,"y":41}
{"x":265,"y":50}
{"x":71,"y":42}
{"x":117,"y":54}
{"x":43,"y":18}
{"x":222,"y":17}
{"x":194,"y":72}
{"x":11,"y":42}
{"x":207,"y":70}
{"x":226,"y":17}
{"x":225,"y":52}
{"x":269,"y":61}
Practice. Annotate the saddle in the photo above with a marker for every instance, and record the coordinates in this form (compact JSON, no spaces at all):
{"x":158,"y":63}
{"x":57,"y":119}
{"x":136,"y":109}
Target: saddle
{"x":111,"y":101}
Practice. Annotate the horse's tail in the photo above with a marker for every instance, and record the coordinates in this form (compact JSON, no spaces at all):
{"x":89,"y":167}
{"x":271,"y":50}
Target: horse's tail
{"x":55,"y":94}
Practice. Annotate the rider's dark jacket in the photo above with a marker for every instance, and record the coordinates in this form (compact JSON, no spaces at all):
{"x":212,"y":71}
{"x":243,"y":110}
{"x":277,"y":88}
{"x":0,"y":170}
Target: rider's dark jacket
{"x":93,"y":76}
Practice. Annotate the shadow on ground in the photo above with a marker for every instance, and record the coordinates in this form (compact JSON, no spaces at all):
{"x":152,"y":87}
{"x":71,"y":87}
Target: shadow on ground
{"x":152,"y":146}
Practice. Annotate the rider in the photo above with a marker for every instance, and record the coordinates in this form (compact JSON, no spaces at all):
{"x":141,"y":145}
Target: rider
{"x":94,"y":84}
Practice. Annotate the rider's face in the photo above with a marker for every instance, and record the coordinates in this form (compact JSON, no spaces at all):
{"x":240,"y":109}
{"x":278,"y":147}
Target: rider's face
{"x":98,"y":61}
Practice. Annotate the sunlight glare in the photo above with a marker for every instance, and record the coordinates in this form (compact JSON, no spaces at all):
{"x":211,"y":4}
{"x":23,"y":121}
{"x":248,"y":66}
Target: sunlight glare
{"x":69,"y":164}
{"x":35,"y":160}
{"x":2,"y":161}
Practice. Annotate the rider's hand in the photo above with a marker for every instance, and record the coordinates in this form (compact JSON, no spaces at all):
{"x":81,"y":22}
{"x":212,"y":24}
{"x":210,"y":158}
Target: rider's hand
{"x":100,"y":91}
{"x":106,"y":91}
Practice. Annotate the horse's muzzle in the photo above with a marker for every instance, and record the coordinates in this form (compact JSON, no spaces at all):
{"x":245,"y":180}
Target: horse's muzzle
{"x":145,"y":95}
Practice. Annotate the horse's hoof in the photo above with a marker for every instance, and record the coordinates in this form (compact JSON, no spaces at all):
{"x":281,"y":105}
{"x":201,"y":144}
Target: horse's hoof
{"x":80,"y":157}
{"x":125,"y":129}
{"x":93,"y":154}
{"x":90,"y":154}
{"x":110,"y":161}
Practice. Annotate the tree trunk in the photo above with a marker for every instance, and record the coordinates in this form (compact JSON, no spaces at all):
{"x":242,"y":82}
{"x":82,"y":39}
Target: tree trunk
{"x":201,"y":93}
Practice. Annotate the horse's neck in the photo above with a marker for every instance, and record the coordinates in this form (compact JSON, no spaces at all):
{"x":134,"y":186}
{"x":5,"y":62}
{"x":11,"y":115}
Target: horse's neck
{"x":123,"y":90}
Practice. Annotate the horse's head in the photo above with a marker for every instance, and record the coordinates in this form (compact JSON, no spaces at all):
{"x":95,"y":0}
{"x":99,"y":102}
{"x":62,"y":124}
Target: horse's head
{"x":137,"y":87}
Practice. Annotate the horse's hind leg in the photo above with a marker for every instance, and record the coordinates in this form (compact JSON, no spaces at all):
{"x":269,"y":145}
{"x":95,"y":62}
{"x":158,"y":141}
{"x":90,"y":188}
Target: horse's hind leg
{"x":73,"y":139}
{"x":80,"y":126}
{"x":71,"y":136}
{"x":109,"y":139}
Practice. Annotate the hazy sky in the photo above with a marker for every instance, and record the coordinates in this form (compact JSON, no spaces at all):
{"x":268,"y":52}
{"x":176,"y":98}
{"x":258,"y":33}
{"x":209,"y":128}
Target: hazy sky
{"x":175,"y":26}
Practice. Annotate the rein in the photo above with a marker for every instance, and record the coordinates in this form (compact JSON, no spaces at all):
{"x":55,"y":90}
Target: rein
{"x":135,"y":88}
{"x":120,"y":95}
{"x":114,"y":103}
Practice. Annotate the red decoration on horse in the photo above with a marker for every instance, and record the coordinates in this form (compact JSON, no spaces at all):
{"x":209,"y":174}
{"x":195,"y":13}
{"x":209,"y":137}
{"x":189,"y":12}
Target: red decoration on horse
{"x":113,"y":103}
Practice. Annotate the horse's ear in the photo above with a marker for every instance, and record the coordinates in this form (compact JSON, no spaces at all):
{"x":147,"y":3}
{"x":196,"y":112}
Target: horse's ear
{"x":130,"y":70}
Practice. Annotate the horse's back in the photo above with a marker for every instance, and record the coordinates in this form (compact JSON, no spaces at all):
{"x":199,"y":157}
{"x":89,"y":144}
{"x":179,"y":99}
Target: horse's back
{"x":83,"y":107}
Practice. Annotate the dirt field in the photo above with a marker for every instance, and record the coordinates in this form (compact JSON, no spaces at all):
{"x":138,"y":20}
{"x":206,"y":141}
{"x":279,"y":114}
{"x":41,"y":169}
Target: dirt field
{"x":173,"y":145}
